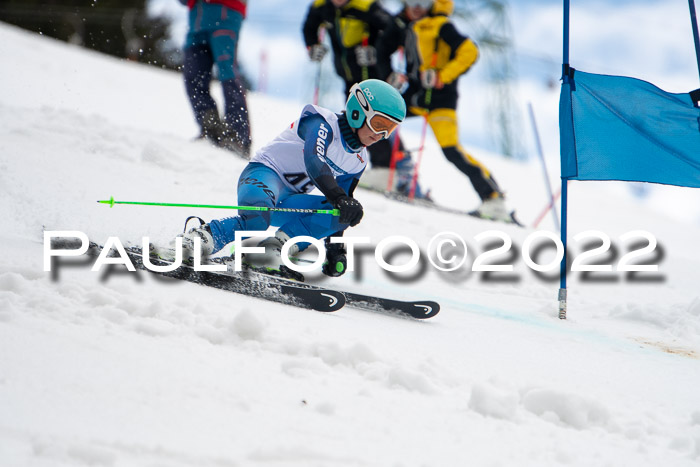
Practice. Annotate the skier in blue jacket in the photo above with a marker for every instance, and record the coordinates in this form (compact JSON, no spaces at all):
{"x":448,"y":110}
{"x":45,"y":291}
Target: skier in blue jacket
{"x":322,"y":150}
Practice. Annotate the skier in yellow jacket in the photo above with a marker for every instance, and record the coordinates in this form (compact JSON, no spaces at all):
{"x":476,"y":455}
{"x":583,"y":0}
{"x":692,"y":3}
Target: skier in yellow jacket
{"x":436,"y":56}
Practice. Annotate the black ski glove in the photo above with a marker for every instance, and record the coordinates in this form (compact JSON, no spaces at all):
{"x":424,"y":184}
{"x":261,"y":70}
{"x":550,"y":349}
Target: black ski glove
{"x":336,"y":262}
{"x":350,"y":210}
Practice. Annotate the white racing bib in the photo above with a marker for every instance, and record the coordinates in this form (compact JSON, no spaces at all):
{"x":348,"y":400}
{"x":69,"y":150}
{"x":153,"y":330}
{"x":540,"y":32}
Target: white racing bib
{"x":285,"y":153}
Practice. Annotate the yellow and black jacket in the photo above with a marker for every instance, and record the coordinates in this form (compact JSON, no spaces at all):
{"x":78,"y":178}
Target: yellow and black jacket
{"x":348,"y":27}
{"x":431,"y":42}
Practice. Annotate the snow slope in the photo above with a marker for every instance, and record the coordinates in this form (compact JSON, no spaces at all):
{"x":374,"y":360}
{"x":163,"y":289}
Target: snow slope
{"x":126,"y":369}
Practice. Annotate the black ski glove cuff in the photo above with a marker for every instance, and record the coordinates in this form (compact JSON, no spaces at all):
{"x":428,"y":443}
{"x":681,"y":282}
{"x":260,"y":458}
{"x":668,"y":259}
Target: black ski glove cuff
{"x":333,"y":194}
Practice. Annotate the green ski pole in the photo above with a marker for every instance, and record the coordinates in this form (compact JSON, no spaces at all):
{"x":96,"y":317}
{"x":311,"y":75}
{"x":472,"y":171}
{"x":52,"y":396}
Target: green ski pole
{"x":334,"y":212}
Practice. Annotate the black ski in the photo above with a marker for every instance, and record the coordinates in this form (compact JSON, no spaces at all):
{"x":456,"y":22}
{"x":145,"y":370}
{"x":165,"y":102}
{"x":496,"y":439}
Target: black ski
{"x":318,"y":299}
{"x":415,"y":309}
{"x":278,"y":289}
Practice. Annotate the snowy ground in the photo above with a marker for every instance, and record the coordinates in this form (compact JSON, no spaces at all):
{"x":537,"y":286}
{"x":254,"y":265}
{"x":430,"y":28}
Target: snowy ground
{"x":124,"y":369}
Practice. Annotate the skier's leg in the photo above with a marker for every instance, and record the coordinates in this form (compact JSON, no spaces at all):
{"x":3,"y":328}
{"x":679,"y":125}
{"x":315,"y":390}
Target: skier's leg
{"x":292,"y":224}
{"x":224,"y":44}
{"x":197,"y":67}
{"x":380,"y":155}
{"x":258,"y":185}
{"x":312,"y":225}
{"x":197,"y":74}
{"x":377,"y":176}
{"x":236,"y":117}
{"x":444,"y":125}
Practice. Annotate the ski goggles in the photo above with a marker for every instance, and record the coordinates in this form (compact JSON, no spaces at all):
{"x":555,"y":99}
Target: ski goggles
{"x":380,"y":123}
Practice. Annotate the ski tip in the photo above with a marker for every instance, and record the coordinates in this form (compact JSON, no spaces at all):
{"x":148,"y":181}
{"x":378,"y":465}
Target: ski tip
{"x":335,"y":301}
{"x":515,"y":220}
{"x":425,"y":310}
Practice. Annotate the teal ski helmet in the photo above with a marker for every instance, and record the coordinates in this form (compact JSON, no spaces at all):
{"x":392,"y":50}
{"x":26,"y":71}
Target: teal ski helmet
{"x":376,"y":102}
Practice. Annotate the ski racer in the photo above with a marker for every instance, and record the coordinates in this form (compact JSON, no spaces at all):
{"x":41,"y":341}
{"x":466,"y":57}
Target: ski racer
{"x":353,"y":27}
{"x":436,"y":56}
{"x":322,"y":150}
